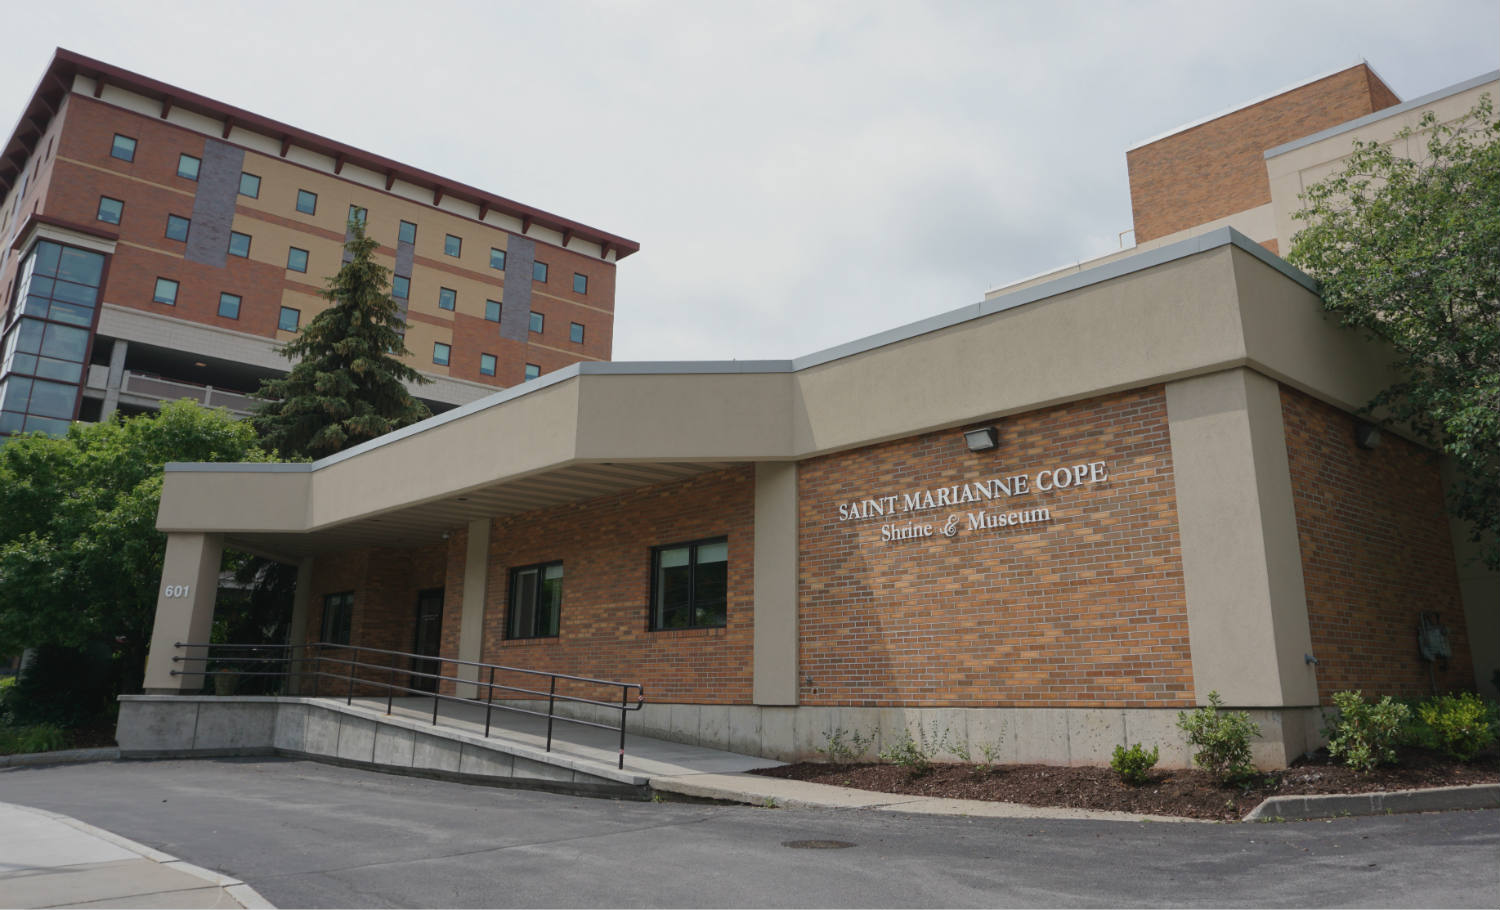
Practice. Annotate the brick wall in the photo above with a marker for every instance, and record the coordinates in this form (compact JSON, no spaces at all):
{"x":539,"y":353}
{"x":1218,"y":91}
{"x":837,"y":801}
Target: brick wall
{"x":1216,"y":168}
{"x":1085,"y":610}
{"x":1376,"y":552}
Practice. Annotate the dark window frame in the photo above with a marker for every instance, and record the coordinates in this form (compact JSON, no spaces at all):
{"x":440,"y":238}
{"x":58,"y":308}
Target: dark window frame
{"x":239,"y":301}
{"x":492,"y":306}
{"x":575,"y":332}
{"x":401,"y":227}
{"x":305,"y":255}
{"x":256,"y":178}
{"x":512,"y":616}
{"x":281,"y":319}
{"x":653,"y":608}
{"x":579,"y":277}
{"x":447,"y":353}
{"x":451,"y":296}
{"x":539,"y":271}
{"x":536,"y":322}
{"x":344,"y":602}
{"x":134,"y":143}
{"x":406,"y":294}
{"x":176,"y":289}
{"x":248,"y":238}
{"x":197,"y":166}
{"x":360,"y":213}
{"x":459,"y":245}
{"x":529,"y":374}
{"x":99,"y":212}
{"x":187,"y":225}
{"x":313,"y":210}
{"x":494,"y":364}
{"x":495,"y":252}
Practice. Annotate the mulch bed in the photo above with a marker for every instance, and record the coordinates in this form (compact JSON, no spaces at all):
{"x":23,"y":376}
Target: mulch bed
{"x":1188,"y":794}
{"x":95,"y":737}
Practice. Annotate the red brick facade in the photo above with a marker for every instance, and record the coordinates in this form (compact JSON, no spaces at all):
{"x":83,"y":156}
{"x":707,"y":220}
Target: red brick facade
{"x":1087,"y":609}
{"x":1217,"y":168}
{"x":1376,"y":553}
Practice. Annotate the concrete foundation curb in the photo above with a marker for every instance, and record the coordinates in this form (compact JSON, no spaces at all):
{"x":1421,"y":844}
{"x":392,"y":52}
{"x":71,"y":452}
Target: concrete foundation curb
{"x":1331,"y":805}
{"x":60,"y":757}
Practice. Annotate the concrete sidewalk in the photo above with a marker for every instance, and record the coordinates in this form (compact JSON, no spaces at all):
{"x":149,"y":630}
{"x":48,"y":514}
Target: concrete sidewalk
{"x":51,"y":860}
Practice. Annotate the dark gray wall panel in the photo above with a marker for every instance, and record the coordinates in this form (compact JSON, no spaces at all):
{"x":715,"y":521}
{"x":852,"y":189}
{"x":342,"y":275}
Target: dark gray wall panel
{"x":405,"y":253}
{"x":213,"y":204}
{"x":515,"y":309}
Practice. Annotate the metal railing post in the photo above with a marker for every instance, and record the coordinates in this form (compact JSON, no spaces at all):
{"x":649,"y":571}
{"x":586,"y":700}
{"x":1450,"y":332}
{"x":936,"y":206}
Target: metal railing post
{"x":624,"y":702}
{"x":317,"y":671}
{"x":551,"y":707}
{"x":352,"y":662}
{"x":390,"y":691}
{"x":489,"y":703}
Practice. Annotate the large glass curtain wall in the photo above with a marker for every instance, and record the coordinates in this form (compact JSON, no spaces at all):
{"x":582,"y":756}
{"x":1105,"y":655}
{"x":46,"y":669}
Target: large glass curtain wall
{"x":46,"y":344}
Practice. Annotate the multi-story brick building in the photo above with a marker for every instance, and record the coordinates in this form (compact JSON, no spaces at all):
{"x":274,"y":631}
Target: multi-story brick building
{"x":1051,"y":520}
{"x":158,"y":244}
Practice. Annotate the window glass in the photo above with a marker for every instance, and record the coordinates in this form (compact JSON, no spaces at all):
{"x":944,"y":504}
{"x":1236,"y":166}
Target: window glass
{"x":406,"y":233}
{"x":110,"y":210}
{"x":239,"y":244}
{"x":533,"y":371}
{"x":296,"y":260}
{"x":82,"y":266}
{"x":66,"y":342}
{"x":575,"y":332}
{"x":452,"y":246}
{"x":338,"y":617}
{"x":539,"y":271}
{"x":249,"y":185}
{"x":447,"y":298}
{"x":229,"y":306}
{"x":497,"y":259}
{"x":53,"y":399}
{"x":492,"y":310}
{"x":47,"y":259}
{"x":287,"y":321}
{"x":690,"y":585}
{"x":166,"y":291}
{"x":358,"y":213}
{"x":122,"y":148}
{"x":580,"y":283}
{"x":400,"y":287}
{"x":188,"y":166}
{"x":486,"y":364}
{"x":14,"y":392}
{"x":177,"y":227}
{"x":536,"y":321}
{"x":307,"y":202}
{"x":440,"y":353}
{"x":535,"y":601}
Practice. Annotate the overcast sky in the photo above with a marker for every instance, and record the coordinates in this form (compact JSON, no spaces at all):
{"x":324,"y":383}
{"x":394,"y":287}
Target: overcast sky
{"x":797,"y":174}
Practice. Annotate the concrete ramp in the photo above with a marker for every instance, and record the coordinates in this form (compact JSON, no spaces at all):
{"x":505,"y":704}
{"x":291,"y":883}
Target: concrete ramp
{"x":582,"y":759}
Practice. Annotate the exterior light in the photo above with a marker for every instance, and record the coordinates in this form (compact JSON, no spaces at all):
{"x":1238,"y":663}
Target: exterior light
{"x":981,"y":439}
{"x":1366,"y":435}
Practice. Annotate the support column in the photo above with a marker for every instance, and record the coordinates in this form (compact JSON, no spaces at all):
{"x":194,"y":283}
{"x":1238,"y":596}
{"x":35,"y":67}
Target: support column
{"x":297,"y":634}
{"x":776,"y":663}
{"x":116,"y":378}
{"x":471,"y":622}
{"x":1241,"y":558}
{"x":184,"y":609}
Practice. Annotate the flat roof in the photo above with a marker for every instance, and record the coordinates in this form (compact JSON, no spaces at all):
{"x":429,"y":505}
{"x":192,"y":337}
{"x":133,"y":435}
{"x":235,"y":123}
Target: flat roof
{"x":57,"y":82}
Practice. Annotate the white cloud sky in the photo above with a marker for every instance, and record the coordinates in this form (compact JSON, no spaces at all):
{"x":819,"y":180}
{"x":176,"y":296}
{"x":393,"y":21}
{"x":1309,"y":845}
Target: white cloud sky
{"x":797,"y":174}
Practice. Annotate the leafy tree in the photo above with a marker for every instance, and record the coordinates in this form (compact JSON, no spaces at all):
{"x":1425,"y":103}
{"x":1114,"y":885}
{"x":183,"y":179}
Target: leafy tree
{"x":80,"y":556}
{"x":1408,"y":249}
{"x":347,"y":386}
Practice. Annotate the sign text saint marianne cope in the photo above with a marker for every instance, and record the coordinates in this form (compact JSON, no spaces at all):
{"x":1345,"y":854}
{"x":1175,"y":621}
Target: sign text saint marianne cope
{"x":977,"y":500}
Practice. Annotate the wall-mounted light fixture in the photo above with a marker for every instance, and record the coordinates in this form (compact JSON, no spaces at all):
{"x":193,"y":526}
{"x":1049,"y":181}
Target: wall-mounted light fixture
{"x":981,"y":439}
{"x":1366,"y":435}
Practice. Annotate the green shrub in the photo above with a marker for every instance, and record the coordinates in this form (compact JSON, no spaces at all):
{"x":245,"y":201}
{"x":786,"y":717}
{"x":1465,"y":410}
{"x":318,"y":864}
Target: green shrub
{"x":1365,"y":734}
{"x":1134,"y":764}
{"x":916,"y":755}
{"x":34,"y":738}
{"x":989,"y":756}
{"x":1461,"y":724}
{"x":1221,"y":740}
{"x":843,"y":747}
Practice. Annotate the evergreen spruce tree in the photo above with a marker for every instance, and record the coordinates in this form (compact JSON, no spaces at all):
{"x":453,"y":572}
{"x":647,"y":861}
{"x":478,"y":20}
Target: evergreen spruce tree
{"x":347,"y":385}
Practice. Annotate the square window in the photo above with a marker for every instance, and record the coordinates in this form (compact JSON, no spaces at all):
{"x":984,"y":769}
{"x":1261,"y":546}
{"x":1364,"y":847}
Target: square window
{"x":539,"y":272}
{"x":166,"y":292}
{"x":358,"y":213}
{"x":122,"y":148}
{"x":307,"y":202}
{"x":452,"y":246}
{"x":447,"y":298}
{"x":287,"y":321}
{"x":497,"y":259}
{"x":249,"y":185}
{"x":690,"y":585}
{"x":229,"y":306}
{"x":406,"y":233}
{"x":239,"y":244}
{"x":533,"y":371}
{"x":400,"y":287}
{"x":440,"y":353}
{"x":110,"y":210}
{"x":188,"y":165}
{"x":486,"y":364}
{"x":338,"y":617}
{"x":536,"y":321}
{"x":575,"y":332}
{"x":492,"y":310}
{"x":580,"y":283}
{"x":535,"y":601}
{"x":177,"y":227}
{"x":296,"y":260}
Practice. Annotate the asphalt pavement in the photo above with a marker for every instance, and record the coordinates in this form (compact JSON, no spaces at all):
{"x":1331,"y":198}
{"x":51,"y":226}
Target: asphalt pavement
{"x":304,"y":834}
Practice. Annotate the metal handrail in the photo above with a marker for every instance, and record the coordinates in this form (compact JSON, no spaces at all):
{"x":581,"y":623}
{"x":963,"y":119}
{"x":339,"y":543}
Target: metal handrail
{"x":293,"y":666}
